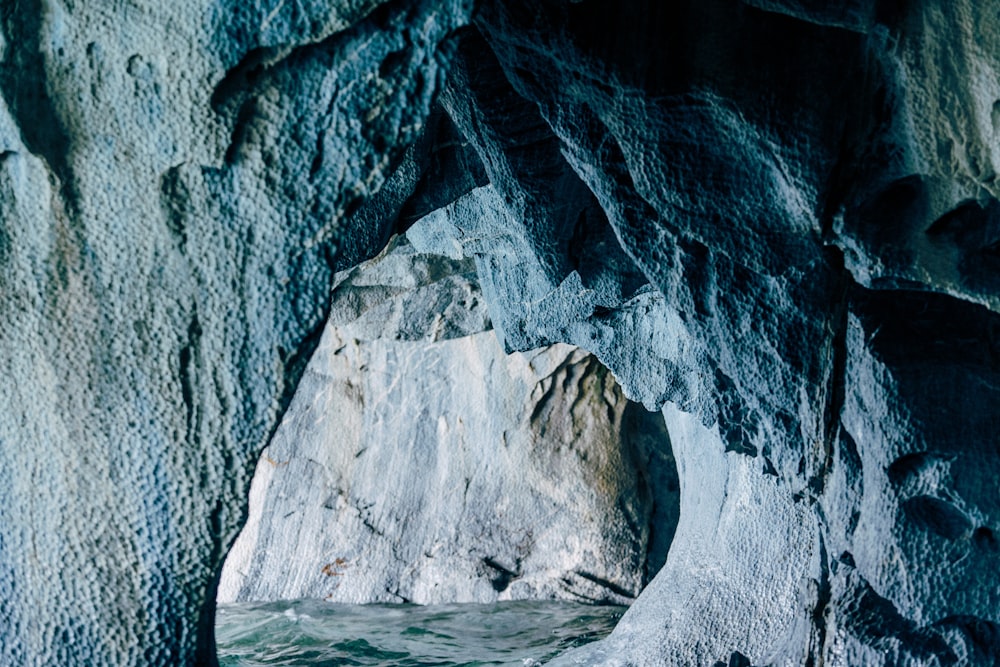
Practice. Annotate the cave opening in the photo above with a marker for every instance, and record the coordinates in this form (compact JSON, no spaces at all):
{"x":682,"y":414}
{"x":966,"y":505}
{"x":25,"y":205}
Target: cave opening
{"x":421,"y":464}
{"x":437,"y":452}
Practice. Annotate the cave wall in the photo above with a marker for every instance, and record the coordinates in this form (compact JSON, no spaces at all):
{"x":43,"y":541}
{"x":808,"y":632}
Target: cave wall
{"x":775,"y":221}
{"x":173,"y":183}
{"x":816,"y":205}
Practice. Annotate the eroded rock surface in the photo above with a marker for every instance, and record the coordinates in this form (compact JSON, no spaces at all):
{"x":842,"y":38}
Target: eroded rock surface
{"x":175,"y":183}
{"x":775,"y":221}
{"x":420,"y":463}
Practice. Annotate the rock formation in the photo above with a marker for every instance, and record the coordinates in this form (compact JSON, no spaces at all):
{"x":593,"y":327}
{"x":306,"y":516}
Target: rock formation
{"x":775,"y":221}
{"x":419,"y":463}
{"x":175,"y":183}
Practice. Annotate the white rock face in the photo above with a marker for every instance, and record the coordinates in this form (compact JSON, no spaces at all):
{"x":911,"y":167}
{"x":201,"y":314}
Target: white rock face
{"x":742,"y":549}
{"x":414,"y":467}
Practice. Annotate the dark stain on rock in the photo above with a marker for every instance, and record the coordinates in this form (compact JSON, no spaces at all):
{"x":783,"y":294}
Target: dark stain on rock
{"x":504,"y":575}
{"x":174,"y":201}
{"x":938,"y":516}
{"x":605,"y":583}
{"x":22,"y":84}
{"x":188,"y":374}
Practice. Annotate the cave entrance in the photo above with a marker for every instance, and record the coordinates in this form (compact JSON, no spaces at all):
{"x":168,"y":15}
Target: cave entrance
{"x":419,"y":463}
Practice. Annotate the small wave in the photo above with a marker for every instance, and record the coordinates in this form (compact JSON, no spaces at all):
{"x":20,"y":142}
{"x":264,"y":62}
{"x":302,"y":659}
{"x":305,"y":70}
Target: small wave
{"x":313,"y":632}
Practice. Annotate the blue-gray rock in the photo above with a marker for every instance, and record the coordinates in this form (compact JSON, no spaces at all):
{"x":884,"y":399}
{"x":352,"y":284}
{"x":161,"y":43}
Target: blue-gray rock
{"x":822,"y":224}
{"x":175,"y":195}
{"x":775,"y":221}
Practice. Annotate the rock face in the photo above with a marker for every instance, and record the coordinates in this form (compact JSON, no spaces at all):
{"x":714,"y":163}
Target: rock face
{"x":176,"y":180}
{"x":419,"y":463}
{"x":774,"y":221}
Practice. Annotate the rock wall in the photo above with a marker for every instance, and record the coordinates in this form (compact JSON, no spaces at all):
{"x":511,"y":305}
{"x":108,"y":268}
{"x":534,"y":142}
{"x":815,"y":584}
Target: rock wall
{"x":175,"y":181}
{"x":419,"y":463}
{"x":775,"y":221}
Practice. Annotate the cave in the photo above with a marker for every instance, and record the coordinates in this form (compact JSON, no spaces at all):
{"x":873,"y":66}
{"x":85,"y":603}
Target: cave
{"x":420,"y":463}
{"x":765,"y":232}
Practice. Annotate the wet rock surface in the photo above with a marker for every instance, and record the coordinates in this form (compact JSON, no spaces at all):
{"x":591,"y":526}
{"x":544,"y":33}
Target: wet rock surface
{"x":773,"y":221}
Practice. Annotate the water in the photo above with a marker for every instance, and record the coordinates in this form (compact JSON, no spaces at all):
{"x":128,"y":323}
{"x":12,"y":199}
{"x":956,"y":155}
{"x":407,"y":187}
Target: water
{"x":314,"y":633}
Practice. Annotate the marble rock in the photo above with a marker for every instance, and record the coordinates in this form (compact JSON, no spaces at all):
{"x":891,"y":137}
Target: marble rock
{"x":177,"y":184}
{"x":420,"y":463}
{"x":773,"y":221}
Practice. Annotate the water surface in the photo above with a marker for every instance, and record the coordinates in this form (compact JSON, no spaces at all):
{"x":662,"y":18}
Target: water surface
{"x":313,"y":633}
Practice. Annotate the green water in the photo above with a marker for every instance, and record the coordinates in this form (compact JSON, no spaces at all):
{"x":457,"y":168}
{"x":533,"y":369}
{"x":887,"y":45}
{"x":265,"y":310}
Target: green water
{"x":313,"y":633}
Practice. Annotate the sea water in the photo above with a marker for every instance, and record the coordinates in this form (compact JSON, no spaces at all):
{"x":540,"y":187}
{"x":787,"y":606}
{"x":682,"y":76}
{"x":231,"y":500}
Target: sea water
{"x":313,"y":633}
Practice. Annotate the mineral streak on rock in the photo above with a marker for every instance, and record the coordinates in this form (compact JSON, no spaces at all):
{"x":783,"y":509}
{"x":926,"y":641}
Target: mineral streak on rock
{"x":774,"y":221}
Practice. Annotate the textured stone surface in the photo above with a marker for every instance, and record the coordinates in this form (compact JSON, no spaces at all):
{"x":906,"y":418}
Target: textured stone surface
{"x":736,"y":195}
{"x":420,"y":463}
{"x":176,"y":180}
{"x":773,"y":220}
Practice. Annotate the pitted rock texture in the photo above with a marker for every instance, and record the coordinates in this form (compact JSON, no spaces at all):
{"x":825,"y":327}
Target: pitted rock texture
{"x":798,"y":217}
{"x":419,"y":463}
{"x":175,"y":188}
{"x":773,"y":220}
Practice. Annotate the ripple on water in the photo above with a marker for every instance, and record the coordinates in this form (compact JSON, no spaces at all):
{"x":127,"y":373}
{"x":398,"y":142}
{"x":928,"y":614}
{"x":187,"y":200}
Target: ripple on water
{"x":314,"y":633}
